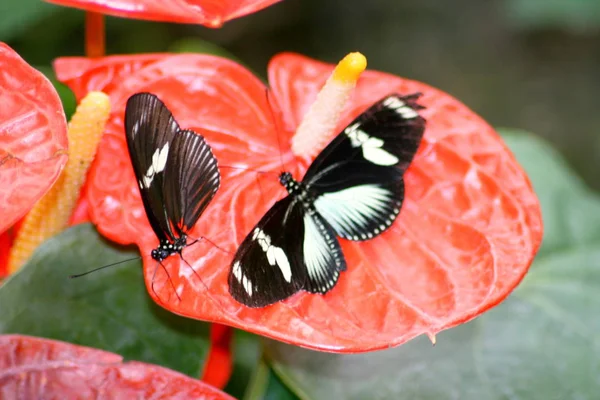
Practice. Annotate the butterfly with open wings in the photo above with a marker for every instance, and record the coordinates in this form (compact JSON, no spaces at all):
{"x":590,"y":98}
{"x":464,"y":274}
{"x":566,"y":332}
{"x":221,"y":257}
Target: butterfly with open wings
{"x":175,"y":169}
{"x":354,"y":189}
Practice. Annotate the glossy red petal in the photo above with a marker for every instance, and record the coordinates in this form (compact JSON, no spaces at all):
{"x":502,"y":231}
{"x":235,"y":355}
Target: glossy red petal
{"x":32,"y":368}
{"x":33,"y":136}
{"x":212,"y":13}
{"x":466,"y":235}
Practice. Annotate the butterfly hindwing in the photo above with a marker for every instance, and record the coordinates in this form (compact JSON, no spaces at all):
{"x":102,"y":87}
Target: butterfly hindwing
{"x":358,"y":177}
{"x":322,"y":253}
{"x":191,"y":180}
{"x":268,"y":266}
{"x":365,"y":209}
{"x":149,"y":130}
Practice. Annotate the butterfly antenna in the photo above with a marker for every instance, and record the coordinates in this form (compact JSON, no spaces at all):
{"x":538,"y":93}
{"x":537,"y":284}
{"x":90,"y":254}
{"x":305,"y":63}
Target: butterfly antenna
{"x":277,"y":129}
{"x":104,"y":266}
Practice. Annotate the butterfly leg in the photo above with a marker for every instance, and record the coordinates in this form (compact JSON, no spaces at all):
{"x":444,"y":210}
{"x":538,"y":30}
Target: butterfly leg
{"x":192,"y":268}
{"x":168,"y":276}
{"x":209,"y":241}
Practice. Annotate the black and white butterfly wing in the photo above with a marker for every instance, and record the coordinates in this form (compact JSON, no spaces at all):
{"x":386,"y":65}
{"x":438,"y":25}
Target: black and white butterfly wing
{"x":191,"y":180}
{"x":386,"y":134}
{"x":149,"y":130}
{"x":268,"y":265}
{"x":322,"y":253}
{"x":358,"y":177}
{"x":289,"y":250}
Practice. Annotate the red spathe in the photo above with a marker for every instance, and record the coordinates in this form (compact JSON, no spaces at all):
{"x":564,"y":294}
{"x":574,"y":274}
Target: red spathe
{"x":467,"y":233}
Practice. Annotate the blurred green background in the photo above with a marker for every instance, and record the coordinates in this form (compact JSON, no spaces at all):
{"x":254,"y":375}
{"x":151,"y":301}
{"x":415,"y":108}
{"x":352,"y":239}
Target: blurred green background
{"x":531,"y":64}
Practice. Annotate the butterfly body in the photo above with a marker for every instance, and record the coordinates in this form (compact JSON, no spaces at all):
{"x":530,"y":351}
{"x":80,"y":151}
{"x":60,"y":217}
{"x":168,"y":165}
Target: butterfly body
{"x":298,"y":190}
{"x":167,"y":248}
{"x":354,"y":190}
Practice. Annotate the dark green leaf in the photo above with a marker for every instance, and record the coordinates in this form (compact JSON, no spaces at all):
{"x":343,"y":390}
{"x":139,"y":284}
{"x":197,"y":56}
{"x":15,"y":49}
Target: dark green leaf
{"x":17,"y":16}
{"x":195,"y":45}
{"x":277,"y":390}
{"x":573,"y":15}
{"x":109,"y":309}
{"x":541,"y":343}
{"x":246,"y":355}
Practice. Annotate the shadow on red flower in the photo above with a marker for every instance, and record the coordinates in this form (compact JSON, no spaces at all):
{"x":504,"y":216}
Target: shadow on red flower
{"x":468,"y":231}
{"x":33,"y":136}
{"x":30,"y":366}
{"x":205,"y":12}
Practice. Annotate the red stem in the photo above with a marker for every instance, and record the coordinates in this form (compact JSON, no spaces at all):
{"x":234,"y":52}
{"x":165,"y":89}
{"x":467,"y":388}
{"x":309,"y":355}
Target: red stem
{"x":219,"y":363}
{"x":94,"y":34}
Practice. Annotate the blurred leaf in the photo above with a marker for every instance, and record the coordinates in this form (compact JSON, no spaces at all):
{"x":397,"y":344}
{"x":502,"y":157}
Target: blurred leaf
{"x":541,"y":343}
{"x":276,"y":389}
{"x":574,"y":15}
{"x":195,"y":45}
{"x":246,"y":354}
{"x":108,"y":310}
{"x":17,"y":16}
{"x":570,"y":211}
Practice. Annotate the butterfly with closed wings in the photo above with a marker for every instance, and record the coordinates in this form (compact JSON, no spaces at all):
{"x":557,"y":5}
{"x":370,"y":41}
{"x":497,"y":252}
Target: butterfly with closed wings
{"x":175,"y":169}
{"x":354,"y":189}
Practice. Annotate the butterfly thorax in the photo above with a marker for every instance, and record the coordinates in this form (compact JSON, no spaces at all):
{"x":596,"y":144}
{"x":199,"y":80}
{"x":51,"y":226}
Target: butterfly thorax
{"x":166,"y":248}
{"x":298,"y":190}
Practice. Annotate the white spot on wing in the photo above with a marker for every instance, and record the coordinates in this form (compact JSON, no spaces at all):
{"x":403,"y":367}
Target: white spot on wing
{"x":275,"y":255}
{"x":237,"y":271}
{"x":159,"y":160}
{"x":247,"y":285}
{"x":400,"y":107}
{"x":371,"y":146}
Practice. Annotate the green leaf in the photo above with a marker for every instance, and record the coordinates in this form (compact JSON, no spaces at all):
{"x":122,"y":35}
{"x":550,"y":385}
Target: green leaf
{"x":196,"y":45}
{"x":17,"y":16}
{"x":570,"y":211}
{"x":573,"y":15}
{"x":543,"y":342}
{"x":246,"y":355}
{"x":251,"y":378}
{"x":109,"y":309}
{"x":277,"y":390}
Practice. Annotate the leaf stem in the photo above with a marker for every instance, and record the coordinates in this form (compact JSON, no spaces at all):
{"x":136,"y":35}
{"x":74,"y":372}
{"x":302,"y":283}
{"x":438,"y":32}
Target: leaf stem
{"x":259,"y":381}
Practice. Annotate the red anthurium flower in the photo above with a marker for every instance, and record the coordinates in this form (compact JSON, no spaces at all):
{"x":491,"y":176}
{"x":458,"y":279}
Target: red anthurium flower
{"x":467,"y":232}
{"x":33,"y":137}
{"x":205,"y":12}
{"x":30,"y":366}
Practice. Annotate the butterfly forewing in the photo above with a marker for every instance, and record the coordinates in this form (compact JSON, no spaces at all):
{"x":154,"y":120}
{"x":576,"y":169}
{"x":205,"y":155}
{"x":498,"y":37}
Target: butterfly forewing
{"x":150,"y":129}
{"x":387,"y":134}
{"x":358,"y":177}
{"x":268,"y":266}
{"x":191,"y":180}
